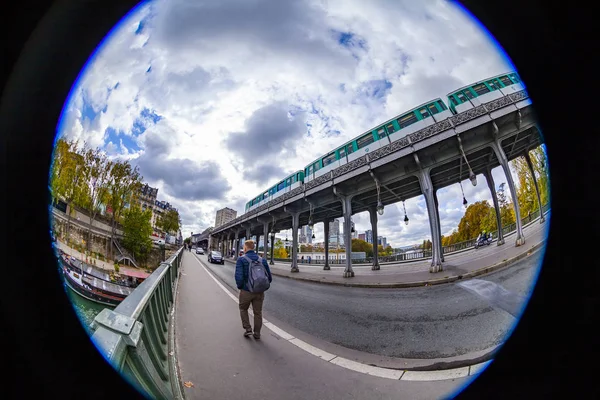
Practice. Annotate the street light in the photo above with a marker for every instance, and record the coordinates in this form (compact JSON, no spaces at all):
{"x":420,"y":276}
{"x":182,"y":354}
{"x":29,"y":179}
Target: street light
{"x":379,"y":207}
{"x":405,"y":216}
{"x":473,"y":178}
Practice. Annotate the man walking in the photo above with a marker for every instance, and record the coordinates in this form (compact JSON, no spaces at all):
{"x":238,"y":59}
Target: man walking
{"x":253,"y":278}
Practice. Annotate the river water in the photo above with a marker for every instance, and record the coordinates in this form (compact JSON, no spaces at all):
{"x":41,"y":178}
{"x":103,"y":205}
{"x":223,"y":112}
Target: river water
{"x":85,"y":309}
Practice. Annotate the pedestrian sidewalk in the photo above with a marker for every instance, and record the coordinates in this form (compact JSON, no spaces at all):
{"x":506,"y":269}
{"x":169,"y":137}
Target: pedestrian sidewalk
{"x":457,"y":266}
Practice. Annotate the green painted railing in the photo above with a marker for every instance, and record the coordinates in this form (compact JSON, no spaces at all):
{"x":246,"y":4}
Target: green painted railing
{"x":137,"y":337}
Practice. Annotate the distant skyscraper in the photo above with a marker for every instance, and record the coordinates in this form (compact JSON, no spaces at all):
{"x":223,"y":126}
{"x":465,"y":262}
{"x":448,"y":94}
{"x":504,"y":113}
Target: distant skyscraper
{"x":305,"y":235}
{"x":224,"y":215}
{"x":362,"y":236}
{"x":335,"y":236}
{"x":369,"y":235}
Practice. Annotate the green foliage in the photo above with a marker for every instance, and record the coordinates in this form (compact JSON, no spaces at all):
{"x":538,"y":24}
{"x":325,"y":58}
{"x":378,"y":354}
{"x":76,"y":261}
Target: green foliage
{"x":136,"y":231}
{"x":280,"y":251}
{"x":124,"y":182}
{"x":473,"y":222}
{"x":67,"y":181}
{"x":359,"y":245}
{"x":526,"y":193}
{"x":170,"y":221}
{"x":507,"y":212}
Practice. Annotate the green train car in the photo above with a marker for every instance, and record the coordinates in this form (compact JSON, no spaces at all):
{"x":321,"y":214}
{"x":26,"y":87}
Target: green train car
{"x":398,"y":127}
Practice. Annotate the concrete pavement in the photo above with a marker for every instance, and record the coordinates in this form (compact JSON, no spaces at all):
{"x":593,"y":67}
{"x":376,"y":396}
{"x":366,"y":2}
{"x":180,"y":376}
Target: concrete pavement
{"x":216,"y":361}
{"x":457,"y":266}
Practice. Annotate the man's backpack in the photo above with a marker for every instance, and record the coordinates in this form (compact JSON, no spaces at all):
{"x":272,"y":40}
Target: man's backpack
{"x":258,"y":278}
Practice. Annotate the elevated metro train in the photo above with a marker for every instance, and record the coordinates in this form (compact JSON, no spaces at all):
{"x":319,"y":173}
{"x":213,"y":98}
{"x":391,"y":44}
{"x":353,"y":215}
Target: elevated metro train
{"x":402,"y":125}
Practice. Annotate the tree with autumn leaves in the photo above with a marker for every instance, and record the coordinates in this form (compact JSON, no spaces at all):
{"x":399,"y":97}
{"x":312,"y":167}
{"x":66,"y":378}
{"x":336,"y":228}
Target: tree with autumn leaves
{"x":86,"y":178}
{"x":482,"y":215}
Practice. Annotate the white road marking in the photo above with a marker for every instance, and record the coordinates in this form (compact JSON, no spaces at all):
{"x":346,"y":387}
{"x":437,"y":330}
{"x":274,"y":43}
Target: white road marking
{"x":356,"y":366}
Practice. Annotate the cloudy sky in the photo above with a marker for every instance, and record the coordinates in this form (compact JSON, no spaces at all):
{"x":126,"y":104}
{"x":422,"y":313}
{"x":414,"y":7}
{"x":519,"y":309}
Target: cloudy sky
{"x":216,"y":100}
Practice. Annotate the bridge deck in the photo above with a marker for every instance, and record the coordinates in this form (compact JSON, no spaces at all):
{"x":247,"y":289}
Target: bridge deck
{"x":220,"y":363}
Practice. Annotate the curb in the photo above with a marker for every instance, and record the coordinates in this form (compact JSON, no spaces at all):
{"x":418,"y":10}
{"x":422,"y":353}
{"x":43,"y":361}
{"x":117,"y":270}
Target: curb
{"x":471,"y":274}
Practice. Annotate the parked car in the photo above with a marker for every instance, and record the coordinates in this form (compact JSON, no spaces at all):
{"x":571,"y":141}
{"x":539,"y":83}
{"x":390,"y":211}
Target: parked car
{"x":215,"y":257}
{"x":199,"y":250}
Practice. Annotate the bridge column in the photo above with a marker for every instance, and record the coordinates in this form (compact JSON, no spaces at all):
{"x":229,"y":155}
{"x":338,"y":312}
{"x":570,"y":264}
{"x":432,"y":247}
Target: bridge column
{"x":427,"y":189}
{"x":513,"y":192}
{"x":258,"y":235}
{"x":373,"y":216}
{"x":295,"y":225}
{"x":347,"y":210}
{"x":439,"y":225}
{"x":326,"y":231}
{"x":265,"y":223}
{"x":272,"y":247}
{"x":237,"y":244}
{"x":487,"y":173}
{"x":537,"y":190}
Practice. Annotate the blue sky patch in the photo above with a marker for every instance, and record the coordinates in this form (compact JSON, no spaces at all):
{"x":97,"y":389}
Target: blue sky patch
{"x":113,"y":136}
{"x":147,"y":117}
{"x":140,"y":28}
{"x":377,"y":88}
{"x":349,"y":40}
{"x":87,"y":111}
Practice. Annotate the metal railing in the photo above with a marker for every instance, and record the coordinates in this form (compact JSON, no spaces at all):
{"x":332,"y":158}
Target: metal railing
{"x":424,"y":254}
{"x":137,"y":337}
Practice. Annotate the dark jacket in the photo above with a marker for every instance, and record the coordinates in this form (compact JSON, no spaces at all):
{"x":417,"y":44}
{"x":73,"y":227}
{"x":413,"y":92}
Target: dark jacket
{"x":241,"y":269}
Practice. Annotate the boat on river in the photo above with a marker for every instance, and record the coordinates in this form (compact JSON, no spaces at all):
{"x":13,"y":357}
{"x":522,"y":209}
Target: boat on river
{"x":93,"y":283}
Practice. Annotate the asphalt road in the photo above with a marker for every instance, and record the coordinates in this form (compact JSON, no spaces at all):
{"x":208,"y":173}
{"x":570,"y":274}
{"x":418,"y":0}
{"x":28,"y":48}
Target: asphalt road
{"x":419,"y":323}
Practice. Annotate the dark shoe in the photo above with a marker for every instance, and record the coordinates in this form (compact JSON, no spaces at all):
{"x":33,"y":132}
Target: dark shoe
{"x":248,"y":333}
{"x":257,"y":336}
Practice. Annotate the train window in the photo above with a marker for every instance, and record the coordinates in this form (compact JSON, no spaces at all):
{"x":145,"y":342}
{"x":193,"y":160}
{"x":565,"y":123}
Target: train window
{"x":342,"y":152}
{"x":424,"y":113}
{"x":493,"y":84}
{"x":515,"y":78}
{"x":505,"y":80}
{"x":453,"y":100}
{"x":390,"y":128}
{"x":328,"y":159}
{"x":350,"y":148}
{"x":441,"y":105}
{"x":407,"y":120}
{"x":293,"y":179}
{"x":266,"y":194}
{"x":317,"y":166}
{"x":365,"y":141}
{"x":462,"y":98}
{"x":433,"y":109}
{"x":481,"y":89}
{"x":469,"y":93}
{"x":280,"y":186}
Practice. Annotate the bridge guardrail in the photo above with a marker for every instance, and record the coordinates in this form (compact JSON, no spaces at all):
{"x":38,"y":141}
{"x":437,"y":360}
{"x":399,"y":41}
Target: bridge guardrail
{"x":455,"y":247}
{"x":137,"y":337}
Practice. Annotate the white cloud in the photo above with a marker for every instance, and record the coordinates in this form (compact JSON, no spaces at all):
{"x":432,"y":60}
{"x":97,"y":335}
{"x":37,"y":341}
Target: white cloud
{"x":234,"y":94}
